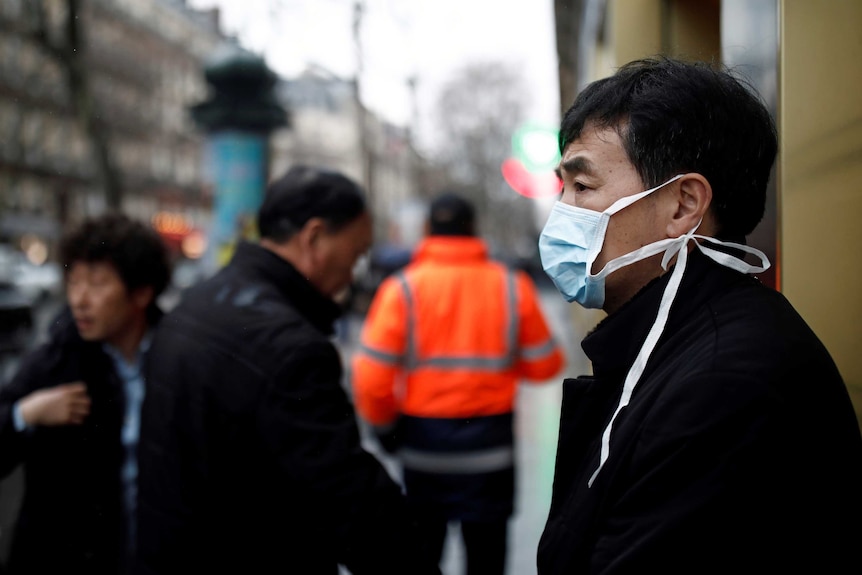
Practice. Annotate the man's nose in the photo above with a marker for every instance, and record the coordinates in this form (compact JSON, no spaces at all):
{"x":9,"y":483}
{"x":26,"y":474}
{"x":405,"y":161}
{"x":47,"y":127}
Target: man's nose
{"x":78,"y":296}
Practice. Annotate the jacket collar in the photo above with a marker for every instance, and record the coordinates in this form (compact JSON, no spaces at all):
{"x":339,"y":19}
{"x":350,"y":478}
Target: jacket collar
{"x":256,"y":262}
{"x":614,"y":343}
{"x":451,"y":249}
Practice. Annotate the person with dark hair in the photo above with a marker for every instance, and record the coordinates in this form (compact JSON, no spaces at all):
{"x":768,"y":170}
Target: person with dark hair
{"x":444,"y":345}
{"x":250,"y":453}
{"x":71,"y":413}
{"x":716,"y":434}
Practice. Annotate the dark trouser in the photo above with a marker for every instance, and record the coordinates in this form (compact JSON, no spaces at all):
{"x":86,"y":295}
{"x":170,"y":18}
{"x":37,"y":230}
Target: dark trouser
{"x":485,"y":543}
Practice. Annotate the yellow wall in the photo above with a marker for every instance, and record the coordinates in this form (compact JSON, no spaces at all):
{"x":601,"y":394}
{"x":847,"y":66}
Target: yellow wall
{"x":692,"y":29}
{"x":635,"y":29}
{"x":683,"y":28}
{"x":820,"y":171}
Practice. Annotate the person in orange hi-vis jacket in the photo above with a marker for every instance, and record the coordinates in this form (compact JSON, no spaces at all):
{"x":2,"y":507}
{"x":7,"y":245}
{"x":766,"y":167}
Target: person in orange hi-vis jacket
{"x":443,"y":346}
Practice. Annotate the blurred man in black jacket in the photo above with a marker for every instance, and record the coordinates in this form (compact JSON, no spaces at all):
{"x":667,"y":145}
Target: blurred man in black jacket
{"x":250,"y":454}
{"x":71,"y":413}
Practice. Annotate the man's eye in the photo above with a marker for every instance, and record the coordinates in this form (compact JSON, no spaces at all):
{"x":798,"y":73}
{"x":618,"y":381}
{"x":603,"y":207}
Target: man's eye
{"x":578,"y":187}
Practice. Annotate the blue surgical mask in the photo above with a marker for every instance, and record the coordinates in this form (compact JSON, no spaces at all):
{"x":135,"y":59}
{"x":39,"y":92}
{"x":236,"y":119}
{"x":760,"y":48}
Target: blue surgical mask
{"x":571,"y":242}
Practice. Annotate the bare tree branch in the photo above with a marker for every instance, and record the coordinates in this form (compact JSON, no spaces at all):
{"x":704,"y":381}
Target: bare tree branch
{"x":69,"y":50}
{"x":478,"y":111}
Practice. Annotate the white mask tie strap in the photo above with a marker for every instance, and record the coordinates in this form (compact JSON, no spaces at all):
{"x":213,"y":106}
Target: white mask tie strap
{"x":733,"y":262}
{"x":629,"y":200}
{"x":640,"y":362}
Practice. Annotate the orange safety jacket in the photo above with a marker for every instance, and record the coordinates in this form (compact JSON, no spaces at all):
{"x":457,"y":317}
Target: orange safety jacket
{"x":450,"y":336}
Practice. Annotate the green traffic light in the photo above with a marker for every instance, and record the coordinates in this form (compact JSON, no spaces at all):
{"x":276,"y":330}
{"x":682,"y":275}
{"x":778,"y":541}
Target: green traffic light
{"x":536,"y":146}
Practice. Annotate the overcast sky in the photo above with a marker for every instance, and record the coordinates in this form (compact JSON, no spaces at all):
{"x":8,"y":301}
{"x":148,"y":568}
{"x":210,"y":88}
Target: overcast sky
{"x":425,"y":39}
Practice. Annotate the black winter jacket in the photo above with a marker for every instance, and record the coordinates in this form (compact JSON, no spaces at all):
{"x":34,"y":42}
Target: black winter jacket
{"x":250,"y":456}
{"x":739,"y":451}
{"x":70,"y":519}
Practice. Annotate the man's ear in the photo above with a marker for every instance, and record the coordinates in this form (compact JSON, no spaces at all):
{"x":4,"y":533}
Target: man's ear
{"x":691,"y":204}
{"x":311,"y":232}
{"x":305,"y":257}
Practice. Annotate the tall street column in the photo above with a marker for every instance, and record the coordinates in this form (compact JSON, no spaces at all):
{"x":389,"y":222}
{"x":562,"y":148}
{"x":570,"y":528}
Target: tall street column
{"x":238,"y":118}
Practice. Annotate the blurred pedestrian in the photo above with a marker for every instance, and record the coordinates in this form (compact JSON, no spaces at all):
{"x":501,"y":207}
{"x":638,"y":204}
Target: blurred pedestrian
{"x":71,"y":413}
{"x":442,"y":349}
{"x":250,"y":450}
{"x":716,"y":434}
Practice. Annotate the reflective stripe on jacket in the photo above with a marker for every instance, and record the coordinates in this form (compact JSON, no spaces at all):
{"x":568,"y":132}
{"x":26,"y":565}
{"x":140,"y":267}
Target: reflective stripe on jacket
{"x":450,"y":336}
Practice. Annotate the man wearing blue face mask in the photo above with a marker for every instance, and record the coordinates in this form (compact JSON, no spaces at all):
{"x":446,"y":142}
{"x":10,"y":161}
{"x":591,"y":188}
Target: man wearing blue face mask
{"x":715,"y":434}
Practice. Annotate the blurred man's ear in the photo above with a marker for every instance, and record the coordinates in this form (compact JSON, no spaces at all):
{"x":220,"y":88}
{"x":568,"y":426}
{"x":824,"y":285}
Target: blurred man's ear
{"x":310,"y":233}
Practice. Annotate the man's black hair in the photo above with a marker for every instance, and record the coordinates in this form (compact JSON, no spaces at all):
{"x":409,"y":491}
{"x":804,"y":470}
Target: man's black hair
{"x":134,"y":249}
{"x":451,"y":215}
{"x":306,"y":192}
{"x":675,"y":117}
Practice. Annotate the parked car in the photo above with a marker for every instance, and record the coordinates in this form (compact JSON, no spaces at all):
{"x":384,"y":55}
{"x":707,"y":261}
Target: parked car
{"x":37,"y":283}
